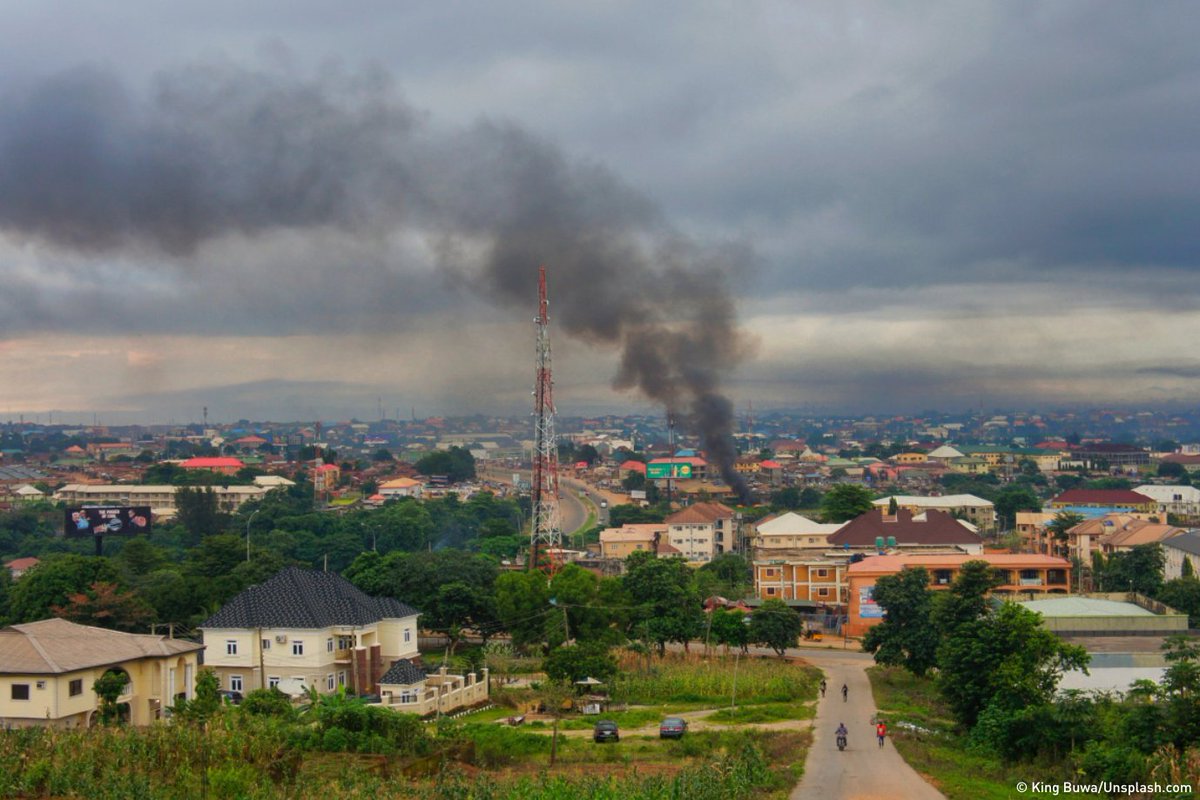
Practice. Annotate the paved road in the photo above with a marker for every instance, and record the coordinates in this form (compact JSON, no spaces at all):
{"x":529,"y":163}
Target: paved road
{"x":863,"y":771}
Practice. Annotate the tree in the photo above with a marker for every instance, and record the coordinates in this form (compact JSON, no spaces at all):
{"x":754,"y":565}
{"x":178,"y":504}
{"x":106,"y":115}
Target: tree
{"x":523,"y":606}
{"x":1005,"y":660}
{"x":108,"y":687}
{"x":588,"y":454}
{"x":666,"y":604}
{"x":1171,"y":469}
{"x":1062,"y":523}
{"x":906,"y":637}
{"x":58,"y":577}
{"x":198,"y":513}
{"x":729,"y":575}
{"x":1139,"y":569}
{"x":457,"y":464}
{"x":105,"y":606}
{"x":207,"y":699}
{"x":728,"y":627}
{"x":1014,"y":498}
{"x":579,"y":661}
{"x":845,"y":501}
{"x":788,"y":498}
{"x":775,"y":625}
{"x":1183,"y":594}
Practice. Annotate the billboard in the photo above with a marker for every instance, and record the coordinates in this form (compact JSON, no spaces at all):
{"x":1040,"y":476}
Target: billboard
{"x":668,"y":470}
{"x":867,"y":607}
{"x":106,"y":521}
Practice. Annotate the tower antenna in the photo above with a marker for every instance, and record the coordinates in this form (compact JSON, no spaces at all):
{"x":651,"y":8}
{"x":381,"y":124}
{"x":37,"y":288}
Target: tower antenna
{"x":545,"y":536}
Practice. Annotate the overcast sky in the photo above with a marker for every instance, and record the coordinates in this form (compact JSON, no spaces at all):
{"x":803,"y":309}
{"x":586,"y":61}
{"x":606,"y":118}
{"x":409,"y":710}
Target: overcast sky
{"x":285,"y":210}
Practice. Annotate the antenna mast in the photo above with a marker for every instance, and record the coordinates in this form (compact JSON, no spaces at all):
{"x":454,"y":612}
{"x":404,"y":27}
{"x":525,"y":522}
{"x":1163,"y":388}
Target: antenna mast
{"x":545,"y":536}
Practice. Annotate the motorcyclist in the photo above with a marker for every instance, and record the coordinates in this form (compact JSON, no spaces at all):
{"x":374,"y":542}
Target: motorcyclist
{"x":845,"y":692}
{"x":841,"y":735}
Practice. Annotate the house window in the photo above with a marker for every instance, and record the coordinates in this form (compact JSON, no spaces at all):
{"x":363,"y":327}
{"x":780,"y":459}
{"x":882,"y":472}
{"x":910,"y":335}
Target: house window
{"x":20,"y":691}
{"x":407,"y":635}
{"x":822,"y":592}
{"x":345,"y":642}
{"x":408,"y":695}
{"x":266,"y":644}
{"x":329,"y":685}
{"x":342,"y":678}
{"x":822,"y":573}
{"x":297,"y":648}
{"x":41,"y":684}
{"x":273,"y":682}
{"x":770,"y":590}
{"x":235,"y":683}
{"x":329,"y":645}
{"x":75,"y":687}
{"x":231,"y":647}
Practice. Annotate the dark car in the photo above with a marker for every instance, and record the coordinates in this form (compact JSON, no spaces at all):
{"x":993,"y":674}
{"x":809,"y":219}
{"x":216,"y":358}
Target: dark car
{"x":606,"y":731}
{"x":672,"y":728}
{"x":230,"y":696}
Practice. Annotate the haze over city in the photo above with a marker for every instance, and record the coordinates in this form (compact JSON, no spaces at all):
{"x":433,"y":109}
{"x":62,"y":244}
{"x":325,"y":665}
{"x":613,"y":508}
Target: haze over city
{"x":294,"y":211}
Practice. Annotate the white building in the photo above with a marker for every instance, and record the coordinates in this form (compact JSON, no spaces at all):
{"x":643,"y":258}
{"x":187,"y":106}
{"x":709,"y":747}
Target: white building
{"x":1183,"y":501}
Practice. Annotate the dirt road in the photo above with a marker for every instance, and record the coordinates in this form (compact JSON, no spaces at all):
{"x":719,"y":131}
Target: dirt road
{"x":863,"y":771}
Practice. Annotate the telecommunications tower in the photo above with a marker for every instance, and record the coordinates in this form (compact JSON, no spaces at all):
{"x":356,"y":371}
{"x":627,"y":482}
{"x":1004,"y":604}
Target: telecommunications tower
{"x":545,"y":536}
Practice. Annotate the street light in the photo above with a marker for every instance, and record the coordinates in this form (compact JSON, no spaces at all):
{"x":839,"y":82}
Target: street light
{"x":248,"y":521}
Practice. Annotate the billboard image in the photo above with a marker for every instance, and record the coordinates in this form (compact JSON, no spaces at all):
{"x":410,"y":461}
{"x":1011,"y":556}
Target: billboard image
{"x":107,"y":521}
{"x":663,"y":471}
{"x":867,"y":607}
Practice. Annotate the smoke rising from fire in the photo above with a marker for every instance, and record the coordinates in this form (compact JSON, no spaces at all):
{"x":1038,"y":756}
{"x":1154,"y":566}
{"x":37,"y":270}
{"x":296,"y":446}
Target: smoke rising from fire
{"x":218,"y":151}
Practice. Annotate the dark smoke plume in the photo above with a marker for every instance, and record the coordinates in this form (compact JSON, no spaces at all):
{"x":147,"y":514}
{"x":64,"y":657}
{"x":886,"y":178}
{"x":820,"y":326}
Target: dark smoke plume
{"x":219,"y":151}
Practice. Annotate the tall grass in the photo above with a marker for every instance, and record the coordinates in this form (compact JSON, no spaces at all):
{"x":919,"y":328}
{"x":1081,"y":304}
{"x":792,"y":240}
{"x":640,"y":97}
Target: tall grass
{"x":678,"y":678}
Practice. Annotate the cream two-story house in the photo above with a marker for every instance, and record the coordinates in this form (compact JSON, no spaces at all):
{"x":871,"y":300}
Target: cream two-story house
{"x":47,"y":669}
{"x":310,"y":628}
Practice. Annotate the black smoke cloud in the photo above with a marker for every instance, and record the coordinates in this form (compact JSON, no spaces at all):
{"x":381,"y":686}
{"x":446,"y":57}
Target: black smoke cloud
{"x":216,"y":152}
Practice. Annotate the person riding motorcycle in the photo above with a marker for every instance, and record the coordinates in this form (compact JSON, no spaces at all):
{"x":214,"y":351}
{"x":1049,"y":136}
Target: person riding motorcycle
{"x":841,"y":735}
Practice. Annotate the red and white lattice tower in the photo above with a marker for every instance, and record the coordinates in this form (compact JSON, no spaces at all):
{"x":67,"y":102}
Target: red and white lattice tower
{"x":545,"y":537}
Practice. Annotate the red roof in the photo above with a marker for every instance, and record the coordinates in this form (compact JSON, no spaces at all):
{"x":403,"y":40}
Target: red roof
{"x":938,"y":528}
{"x":634,"y":466}
{"x":769,"y":464}
{"x":702,"y":513}
{"x":251,"y":439}
{"x":22,"y":563}
{"x":1103,"y":497}
{"x":327,"y":467}
{"x":212,"y":462}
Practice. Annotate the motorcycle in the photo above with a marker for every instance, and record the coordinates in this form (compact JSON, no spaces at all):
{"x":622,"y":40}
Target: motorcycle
{"x":841,"y":742}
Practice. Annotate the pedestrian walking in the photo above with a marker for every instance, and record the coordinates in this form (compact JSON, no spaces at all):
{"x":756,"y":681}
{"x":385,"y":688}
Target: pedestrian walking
{"x":822,"y":687}
{"x":881,"y":732}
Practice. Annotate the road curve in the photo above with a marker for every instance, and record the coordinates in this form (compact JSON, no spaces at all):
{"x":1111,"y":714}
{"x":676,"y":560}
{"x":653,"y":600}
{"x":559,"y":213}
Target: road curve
{"x":863,"y":771}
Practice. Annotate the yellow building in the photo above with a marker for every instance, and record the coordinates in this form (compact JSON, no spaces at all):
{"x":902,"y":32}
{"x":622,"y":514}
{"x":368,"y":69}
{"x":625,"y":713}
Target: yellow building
{"x":47,"y":670}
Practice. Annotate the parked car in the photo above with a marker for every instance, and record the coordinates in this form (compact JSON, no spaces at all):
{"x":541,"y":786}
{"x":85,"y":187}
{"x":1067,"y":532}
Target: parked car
{"x":672,"y":728}
{"x":606,"y":731}
{"x":230,"y":696}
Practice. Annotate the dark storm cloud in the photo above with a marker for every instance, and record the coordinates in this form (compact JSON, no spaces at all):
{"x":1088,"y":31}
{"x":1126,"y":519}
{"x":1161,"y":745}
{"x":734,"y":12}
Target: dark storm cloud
{"x":223,"y":160}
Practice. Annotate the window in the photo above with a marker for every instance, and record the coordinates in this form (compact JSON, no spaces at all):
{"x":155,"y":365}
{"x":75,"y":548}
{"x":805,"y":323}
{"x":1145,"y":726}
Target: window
{"x":266,"y":644}
{"x":20,"y":691}
{"x":75,"y":687}
{"x":297,"y":648}
{"x":345,"y":642}
{"x":408,"y":695}
{"x":407,"y":635}
{"x":231,"y":647}
{"x":822,"y":573}
{"x":41,"y":684}
{"x":273,"y":682}
{"x":329,"y":685}
{"x":770,"y":590}
{"x":235,"y":683}
{"x":342,"y":678}
{"x":329,"y":645}
{"x":822,"y":592}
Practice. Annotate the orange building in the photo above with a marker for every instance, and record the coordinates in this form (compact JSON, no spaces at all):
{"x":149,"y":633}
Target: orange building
{"x":1024,"y":574}
{"x":819,"y":579}
{"x":225,"y":465}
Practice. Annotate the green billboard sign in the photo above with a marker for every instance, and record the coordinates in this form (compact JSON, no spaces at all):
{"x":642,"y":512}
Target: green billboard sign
{"x":668,"y":470}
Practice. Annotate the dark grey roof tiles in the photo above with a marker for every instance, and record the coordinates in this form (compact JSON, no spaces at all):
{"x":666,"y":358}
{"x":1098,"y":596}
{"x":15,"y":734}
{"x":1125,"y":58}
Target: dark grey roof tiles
{"x":298,"y":598}
{"x":402,"y":673}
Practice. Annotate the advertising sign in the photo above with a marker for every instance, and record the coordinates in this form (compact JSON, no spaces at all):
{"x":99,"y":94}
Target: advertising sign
{"x":107,"y":521}
{"x":668,"y":470}
{"x":867,"y":607}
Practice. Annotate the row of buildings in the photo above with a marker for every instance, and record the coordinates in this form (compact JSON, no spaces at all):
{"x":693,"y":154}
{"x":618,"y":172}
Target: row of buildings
{"x":297,"y":631}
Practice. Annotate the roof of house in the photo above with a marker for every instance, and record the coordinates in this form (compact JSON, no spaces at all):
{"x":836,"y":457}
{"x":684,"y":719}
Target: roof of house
{"x":212,"y":462}
{"x":792,"y":523}
{"x":945,"y":501}
{"x":1140,"y":532}
{"x":938,"y":527}
{"x":328,"y":468}
{"x":1112,"y":497}
{"x":946,"y":451}
{"x":883,"y":565}
{"x":695,"y":461}
{"x":1187,"y":542}
{"x":55,"y":646}
{"x":701,"y":512}
{"x":22,"y":563}
{"x":300,"y":598}
{"x":400,"y":483}
{"x":403,"y":673}
{"x":771,"y":464}
{"x":1167,"y":494}
{"x":632,"y":465}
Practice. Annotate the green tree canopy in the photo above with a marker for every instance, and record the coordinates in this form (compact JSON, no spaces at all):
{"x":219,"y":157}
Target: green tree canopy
{"x":845,"y":501}
{"x":775,"y":625}
{"x":906,"y":637}
{"x":53,"y":581}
